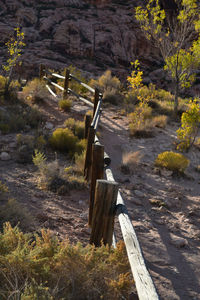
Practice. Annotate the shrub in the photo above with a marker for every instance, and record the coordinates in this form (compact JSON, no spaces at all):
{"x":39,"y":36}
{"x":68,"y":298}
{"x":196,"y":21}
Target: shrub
{"x":64,"y":140}
{"x":65,"y":104}
{"x":110,"y":86}
{"x":77,"y":127}
{"x":140,"y":120}
{"x":173,"y":161}
{"x":41,"y":267}
{"x":190,"y":121}
{"x":35,"y":91}
{"x":16,"y":214}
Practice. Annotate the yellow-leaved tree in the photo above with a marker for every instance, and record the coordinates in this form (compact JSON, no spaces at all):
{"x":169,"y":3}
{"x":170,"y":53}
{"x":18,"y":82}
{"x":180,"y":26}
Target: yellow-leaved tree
{"x":177,"y":34}
{"x":14,"y":49}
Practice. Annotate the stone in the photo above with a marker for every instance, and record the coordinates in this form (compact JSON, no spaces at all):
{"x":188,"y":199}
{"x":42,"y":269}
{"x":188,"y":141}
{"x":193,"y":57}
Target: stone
{"x":139,"y":193}
{"x":166,"y":173}
{"x":136,"y":201}
{"x":49,"y":125}
{"x":5,"y":156}
{"x":178,"y":242}
{"x":13,"y":145}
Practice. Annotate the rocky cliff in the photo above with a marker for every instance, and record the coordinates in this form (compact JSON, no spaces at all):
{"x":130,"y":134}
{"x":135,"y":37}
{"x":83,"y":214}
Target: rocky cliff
{"x":93,"y":35}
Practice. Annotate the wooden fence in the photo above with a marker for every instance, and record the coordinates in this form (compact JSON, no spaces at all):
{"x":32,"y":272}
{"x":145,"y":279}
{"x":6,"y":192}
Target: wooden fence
{"x":105,"y":199}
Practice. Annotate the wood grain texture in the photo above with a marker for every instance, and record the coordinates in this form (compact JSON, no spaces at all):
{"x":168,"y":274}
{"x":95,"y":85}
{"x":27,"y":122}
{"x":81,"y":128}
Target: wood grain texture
{"x":97,"y":173}
{"x":104,"y":212}
{"x":143,"y":281}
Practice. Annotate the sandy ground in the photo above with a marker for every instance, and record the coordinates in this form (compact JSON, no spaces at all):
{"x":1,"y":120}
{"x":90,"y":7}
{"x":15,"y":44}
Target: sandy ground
{"x":169,"y":235}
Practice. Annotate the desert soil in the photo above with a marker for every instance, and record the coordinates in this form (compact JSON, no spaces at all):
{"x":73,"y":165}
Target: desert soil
{"x":164,"y":209}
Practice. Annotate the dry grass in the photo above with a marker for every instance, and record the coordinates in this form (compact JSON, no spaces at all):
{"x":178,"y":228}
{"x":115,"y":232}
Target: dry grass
{"x":130,"y":161}
{"x":35,"y":91}
{"x":159,"y":121}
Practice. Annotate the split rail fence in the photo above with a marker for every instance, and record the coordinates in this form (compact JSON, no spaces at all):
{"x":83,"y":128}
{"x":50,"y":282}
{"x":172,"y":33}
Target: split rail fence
{"x":105,"y":199}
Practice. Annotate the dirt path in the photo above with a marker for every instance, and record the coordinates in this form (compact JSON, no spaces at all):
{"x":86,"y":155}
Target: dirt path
{"x":169,"y":235}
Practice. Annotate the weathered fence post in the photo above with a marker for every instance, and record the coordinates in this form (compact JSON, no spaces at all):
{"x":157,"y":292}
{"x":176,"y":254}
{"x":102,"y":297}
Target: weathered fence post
{"x":88,"y":156}
{"x":88,"y":120}
{"x":42,"y":71}
{"x":66,"y":83}
{"x":96,"y":100}
{"x":104,"y":212}
{"x":97,"y":173}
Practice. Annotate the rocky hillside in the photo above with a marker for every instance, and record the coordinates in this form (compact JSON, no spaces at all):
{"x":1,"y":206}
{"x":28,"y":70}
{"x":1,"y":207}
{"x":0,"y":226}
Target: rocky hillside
{"x":92,"y":36}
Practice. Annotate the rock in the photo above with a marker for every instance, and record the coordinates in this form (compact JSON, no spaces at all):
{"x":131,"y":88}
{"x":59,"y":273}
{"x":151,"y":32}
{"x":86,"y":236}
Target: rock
{"x":135,"y":201}
{"x":166,"y":173}
{"x":5,"y":156}
{"x":178,"y":242}
{"x":159,"y":221}
{"x":13,"y":145}
{"x":139,"y":193}
{"x":49,"y":125}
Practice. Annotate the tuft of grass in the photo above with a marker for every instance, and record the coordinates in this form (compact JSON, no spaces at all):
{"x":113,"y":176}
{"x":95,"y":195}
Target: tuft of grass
{"x":12,"y":211}
{"x":159,"y":121}
{"x":130,"y":161}
{"x":172,"y":161}
{"x":65,"y":104}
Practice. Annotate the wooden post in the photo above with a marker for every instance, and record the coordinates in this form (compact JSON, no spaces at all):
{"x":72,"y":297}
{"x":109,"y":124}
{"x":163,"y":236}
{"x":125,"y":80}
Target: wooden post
{"x":97,"y":173}
{"x":88,"y":156}
{"x":66,"y":83}
{"x":42,"y":71}
{"x":96,"y":100}
{"x":88,"y":120}
{"x":104,"y":212}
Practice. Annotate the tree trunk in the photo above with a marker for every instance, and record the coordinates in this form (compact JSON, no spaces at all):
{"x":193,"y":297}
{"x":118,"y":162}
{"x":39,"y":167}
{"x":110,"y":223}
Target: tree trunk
{"x":176,"y":99}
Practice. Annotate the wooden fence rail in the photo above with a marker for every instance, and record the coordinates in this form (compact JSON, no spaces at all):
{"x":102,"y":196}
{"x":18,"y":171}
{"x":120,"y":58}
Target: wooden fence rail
{"x":105,"y":198}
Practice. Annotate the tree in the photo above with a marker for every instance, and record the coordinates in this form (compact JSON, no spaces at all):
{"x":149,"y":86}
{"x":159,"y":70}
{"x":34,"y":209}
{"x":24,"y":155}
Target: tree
{"x":177,"y":35}
{"x":14,"y":47}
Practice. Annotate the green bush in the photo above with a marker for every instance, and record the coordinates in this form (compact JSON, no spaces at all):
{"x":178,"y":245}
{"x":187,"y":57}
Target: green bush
{"x":65,"y":104}
{"x":173,"y":161}
{"x":77,"y":127}
{"x":64,"y":140}
{"x":41,"y":267}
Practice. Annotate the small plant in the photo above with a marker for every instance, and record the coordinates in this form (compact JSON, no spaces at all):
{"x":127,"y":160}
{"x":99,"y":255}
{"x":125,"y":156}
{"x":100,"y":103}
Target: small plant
{"x":159,"y":121}
{"x":39,"y":159}
{"x":173,"y":161}
{"x":77,"y":127}
{"x":190,"y":121}
{"x":12,"y":211}
{"x":64,"y":140}
{"x":3,"y":189}
{"x":140,"y":119}
{"x":35,"y":91}
{"x":110,"y":86}
{"x":65,"y":104}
